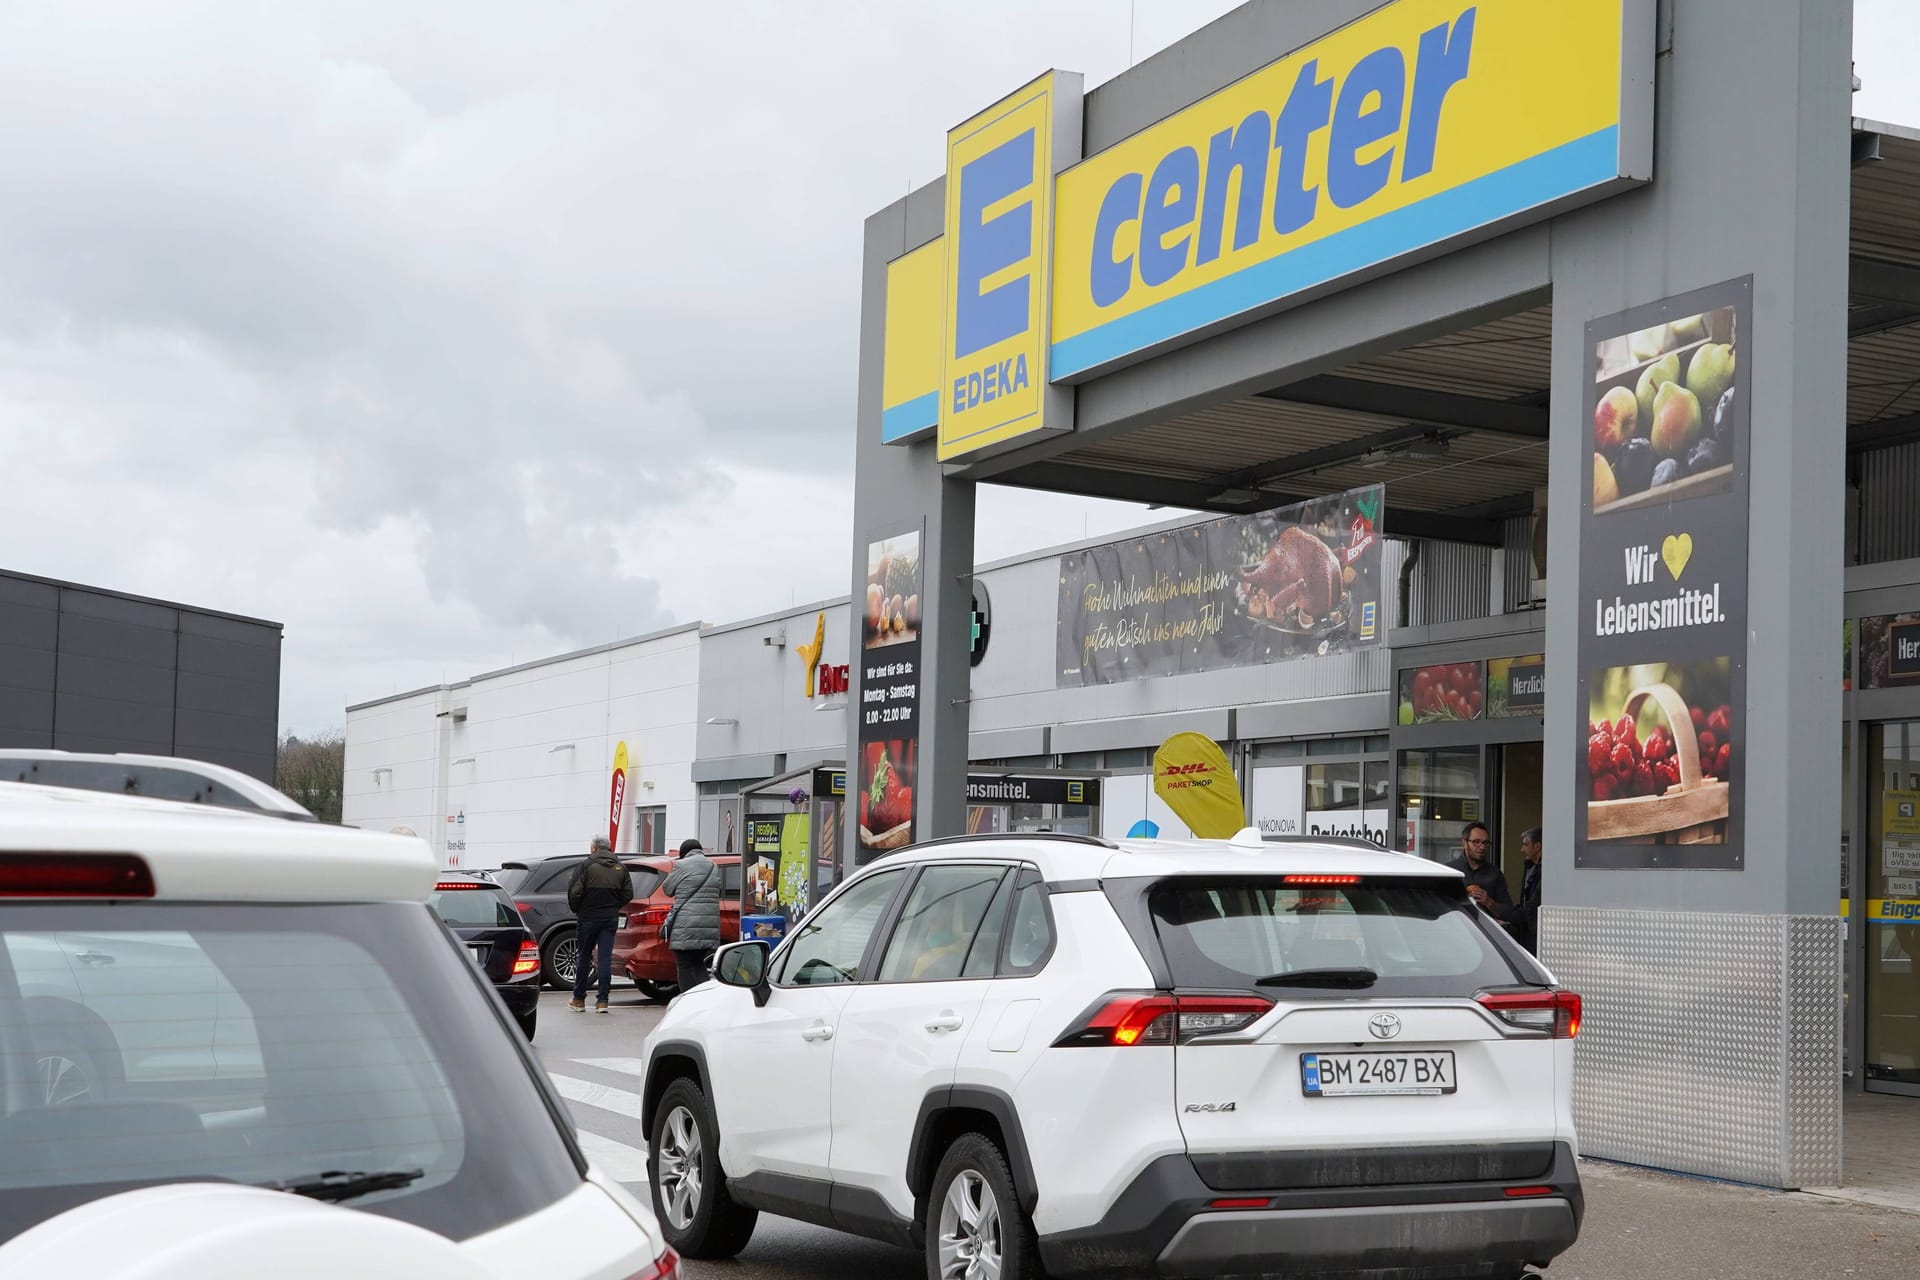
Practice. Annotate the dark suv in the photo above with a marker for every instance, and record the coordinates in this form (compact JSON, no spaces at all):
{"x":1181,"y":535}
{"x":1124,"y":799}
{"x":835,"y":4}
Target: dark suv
{"x":539,"y":889}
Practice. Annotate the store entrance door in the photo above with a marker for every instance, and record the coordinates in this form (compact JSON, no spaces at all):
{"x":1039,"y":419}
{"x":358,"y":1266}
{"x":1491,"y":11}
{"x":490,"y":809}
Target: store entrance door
{"x":1514,"y":777}
{"x":1893,"y":908}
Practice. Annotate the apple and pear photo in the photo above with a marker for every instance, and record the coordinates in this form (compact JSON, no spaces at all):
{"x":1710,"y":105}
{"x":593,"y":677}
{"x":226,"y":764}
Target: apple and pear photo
{"x":1664,"y":412}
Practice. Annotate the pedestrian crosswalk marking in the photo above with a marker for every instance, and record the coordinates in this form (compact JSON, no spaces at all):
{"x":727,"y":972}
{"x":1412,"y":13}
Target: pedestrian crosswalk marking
{"x":604,"y":1096}
{"x":636,"y":1067}
{"x":617,"y":1160}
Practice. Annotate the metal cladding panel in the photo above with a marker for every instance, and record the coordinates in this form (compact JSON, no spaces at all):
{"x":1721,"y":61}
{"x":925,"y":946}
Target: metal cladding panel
{"x":1710,"y":1042}
{"x":1889,"y":488}
{"x":1450,"y":582}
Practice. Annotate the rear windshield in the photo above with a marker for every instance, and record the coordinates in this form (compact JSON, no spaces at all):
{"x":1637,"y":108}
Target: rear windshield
{"x":511,"y":877}
{"x":153,"y":1043}
{"x":1414,"y":937}
{"x":481,"y":907}
{"x":645,"y":881}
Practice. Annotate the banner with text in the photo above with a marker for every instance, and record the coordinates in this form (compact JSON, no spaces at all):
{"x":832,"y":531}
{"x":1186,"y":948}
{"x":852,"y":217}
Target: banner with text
{"x":889,"y":692}
{"x":1663,"y":585}
{"x":1295,"y":582}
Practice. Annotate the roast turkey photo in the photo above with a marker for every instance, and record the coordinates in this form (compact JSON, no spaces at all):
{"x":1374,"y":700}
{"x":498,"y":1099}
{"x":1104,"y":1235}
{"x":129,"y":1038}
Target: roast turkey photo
{"x":1297,"y":586}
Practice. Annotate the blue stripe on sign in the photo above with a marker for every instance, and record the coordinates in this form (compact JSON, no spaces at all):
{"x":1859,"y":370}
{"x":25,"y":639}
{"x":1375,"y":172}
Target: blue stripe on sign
{"x":904,"y":420}
{"x":1566,"y":169}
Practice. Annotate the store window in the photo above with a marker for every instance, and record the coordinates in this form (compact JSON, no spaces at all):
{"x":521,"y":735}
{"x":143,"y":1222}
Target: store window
{"x":650,"y":829}
{"x":1439,"y":796}
{"x":1893,"y":909}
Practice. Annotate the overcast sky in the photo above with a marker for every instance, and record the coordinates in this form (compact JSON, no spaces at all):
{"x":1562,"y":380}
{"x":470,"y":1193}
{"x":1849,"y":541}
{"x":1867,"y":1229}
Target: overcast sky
{"x":456,"y":334}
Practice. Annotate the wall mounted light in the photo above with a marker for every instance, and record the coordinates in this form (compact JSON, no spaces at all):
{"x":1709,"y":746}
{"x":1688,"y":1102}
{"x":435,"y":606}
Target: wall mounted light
{"x":464,"y":760}
{"x":722,"y":720}
{"x":381,"y":770}
{"x":565,"y":746}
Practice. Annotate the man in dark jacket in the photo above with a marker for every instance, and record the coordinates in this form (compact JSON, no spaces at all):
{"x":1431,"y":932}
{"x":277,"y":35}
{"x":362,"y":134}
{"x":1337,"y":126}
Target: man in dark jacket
{"x":694,"y":886}
{"x":597,"y":892}
{"x":1485,"y":885}
{"x":1524,"y":918}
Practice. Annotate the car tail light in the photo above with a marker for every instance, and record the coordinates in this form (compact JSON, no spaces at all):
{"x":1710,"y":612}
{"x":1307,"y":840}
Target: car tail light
{"x":446,"y":885}
{"x":74,"y":875}
{"x":651,"y":919}
{"x":528,"y":961}
{"x":522,"y":907}
{"x":1320,"y":880}
{"x":1249,"y":1202}
{"x":664,"y":1267}
{"x":1551,"y":1013}
{"x":1122,"y":1019}
{"x":1529,"y":1193}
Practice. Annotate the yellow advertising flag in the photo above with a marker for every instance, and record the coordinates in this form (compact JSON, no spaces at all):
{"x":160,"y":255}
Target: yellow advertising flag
{"x":619,"y":795}
{"x":1192,"y":776}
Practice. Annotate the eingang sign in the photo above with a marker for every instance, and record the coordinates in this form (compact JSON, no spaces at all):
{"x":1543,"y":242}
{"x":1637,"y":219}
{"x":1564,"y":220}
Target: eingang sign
{"x":1421,"y":126}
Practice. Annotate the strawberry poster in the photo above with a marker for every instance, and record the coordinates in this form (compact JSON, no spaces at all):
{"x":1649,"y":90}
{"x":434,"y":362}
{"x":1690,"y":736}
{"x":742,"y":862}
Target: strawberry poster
{"x":1295,"y":582}
{"x":1663,"y":586}
{"x":889,"y":694}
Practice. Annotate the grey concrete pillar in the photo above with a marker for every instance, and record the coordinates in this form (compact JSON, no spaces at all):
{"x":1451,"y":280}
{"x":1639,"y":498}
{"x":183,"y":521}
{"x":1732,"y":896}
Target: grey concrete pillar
{"x":1714,"y":1022}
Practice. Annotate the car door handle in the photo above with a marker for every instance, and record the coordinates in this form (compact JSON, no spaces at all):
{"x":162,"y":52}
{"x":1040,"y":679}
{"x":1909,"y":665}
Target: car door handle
{"x":821,"y":1032}
{"x":948,"y":1021}
{"x":96,"y":959}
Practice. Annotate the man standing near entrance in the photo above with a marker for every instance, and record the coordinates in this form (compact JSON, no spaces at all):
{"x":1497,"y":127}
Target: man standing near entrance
{"x":597,"y":892}
{"x":1485,"y":885}
{"x":1524,"y":918}
{"x":692,"y":927}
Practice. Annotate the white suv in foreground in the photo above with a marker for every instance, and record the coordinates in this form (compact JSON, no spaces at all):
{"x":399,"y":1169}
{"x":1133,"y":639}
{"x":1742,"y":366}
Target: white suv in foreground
{"x":237,"y":1042}
{"x":1213,"y":1058}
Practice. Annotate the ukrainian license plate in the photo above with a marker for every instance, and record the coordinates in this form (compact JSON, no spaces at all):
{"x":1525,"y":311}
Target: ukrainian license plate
{"x":1339,"y":1075}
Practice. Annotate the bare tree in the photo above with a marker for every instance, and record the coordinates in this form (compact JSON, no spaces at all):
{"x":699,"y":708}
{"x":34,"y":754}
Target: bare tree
{"x":312,"y":771}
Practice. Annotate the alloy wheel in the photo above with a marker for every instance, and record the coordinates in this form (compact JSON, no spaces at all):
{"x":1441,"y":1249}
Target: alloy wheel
{"x":970,"y":1246}
{"x":566,"y":954}
{"x":679,"y":1168}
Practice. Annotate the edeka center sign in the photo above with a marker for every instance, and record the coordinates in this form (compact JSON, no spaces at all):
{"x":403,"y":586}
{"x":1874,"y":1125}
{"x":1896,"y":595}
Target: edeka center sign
{"x":1425,"y":122}
{"x":1425,"y":125}
{"x":994,"y":384}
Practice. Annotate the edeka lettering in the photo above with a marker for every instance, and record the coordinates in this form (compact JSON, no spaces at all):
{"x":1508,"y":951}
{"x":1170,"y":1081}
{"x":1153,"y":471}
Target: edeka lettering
{"x":1381,"y":123}
{"x":984,"y":386}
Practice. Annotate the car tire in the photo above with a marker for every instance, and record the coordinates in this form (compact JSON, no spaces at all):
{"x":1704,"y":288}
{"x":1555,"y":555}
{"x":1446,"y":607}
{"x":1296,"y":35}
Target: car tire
{"x":558,"y":956}
{"x":527,"y":1021}
{"x":973,"y":1211}
{"x":697,"y":1216}
{"x":658,"y":992}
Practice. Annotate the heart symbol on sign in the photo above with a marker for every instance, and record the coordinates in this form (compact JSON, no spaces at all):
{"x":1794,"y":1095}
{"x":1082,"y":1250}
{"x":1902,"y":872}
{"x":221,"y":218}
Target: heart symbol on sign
{"x":1676,"y":551}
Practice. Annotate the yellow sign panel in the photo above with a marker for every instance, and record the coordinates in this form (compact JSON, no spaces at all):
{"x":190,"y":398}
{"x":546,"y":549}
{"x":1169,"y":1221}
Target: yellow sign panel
{"x":1893,"y":911}
{"x":910,"y":365}
{"x":1900,"y":815}
{"x":1419,"y":124}
{"x":1192,"y":777}
{"x":999,"y":227}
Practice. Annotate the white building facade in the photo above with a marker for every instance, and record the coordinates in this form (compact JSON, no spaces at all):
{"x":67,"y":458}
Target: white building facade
{"x":518,"y":763}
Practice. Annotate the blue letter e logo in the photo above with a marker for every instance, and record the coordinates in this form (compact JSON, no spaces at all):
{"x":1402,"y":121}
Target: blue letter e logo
{"x":991,"y":245}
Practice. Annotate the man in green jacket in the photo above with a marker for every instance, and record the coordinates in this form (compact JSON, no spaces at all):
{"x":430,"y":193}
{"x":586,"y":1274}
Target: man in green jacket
{"x":597,"y":892}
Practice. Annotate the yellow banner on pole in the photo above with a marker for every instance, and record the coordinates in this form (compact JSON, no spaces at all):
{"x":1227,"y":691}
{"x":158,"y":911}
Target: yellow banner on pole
{"x":1192,"y":777}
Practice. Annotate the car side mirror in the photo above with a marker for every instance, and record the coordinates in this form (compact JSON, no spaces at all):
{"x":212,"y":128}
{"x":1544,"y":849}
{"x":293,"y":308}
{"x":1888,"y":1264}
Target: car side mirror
{"x":743,"y":964}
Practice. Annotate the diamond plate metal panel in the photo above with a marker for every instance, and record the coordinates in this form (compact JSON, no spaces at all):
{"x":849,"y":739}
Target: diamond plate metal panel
{"x":1710,"y":1044}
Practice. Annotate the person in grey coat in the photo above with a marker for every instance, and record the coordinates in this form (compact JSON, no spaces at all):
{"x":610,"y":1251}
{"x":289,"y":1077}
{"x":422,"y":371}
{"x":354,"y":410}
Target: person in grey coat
{"x":694,"y":934}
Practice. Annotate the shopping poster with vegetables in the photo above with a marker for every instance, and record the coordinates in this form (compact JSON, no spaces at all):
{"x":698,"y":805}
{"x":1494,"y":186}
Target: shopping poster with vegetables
{"x":889,"y":693}
{"x":795,"y":878}
{"x":1663,"y":585}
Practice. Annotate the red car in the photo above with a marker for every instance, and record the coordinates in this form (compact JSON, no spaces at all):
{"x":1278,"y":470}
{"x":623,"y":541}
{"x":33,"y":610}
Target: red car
{"x":637,"y":949}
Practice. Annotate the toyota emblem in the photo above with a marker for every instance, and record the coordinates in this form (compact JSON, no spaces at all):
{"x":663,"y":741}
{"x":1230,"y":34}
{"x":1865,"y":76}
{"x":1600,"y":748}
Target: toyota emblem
{"x":1384,"y":1026}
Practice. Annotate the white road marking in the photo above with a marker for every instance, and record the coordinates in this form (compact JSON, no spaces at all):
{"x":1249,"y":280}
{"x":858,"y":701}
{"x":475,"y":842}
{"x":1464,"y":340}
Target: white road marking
{"x":617,"y":1160}
{"x":606,"y":1097}
{"x":625,"y":1066}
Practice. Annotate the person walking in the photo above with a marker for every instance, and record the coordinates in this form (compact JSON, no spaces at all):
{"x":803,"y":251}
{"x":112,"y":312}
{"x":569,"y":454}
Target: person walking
{"x":692,"y":926}
{"x":1485,"y":885}
{"x":597,"y":892}
{"x":1524,"y":918}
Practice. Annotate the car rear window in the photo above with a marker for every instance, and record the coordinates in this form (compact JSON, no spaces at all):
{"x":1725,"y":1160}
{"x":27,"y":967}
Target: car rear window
{"x":481,"y":907}
{"x":511,"y":877}
{"x":645,"y":881}
{"x":1417,"y":937}
{"x":153,"y":1043}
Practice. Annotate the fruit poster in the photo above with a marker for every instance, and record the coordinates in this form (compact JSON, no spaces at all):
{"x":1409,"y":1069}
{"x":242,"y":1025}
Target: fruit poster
{"x":889,"y":693}
{"x":1295,"y":582}
{"x":1663,"y":585}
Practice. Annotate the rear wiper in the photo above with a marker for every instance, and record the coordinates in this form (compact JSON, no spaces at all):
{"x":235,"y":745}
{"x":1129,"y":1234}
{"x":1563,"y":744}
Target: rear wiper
{"x":1353,"y":977}
{"x":336,"y":1185}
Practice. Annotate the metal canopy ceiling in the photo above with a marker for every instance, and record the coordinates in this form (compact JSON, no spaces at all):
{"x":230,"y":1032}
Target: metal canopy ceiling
{"x":1456,"y":426}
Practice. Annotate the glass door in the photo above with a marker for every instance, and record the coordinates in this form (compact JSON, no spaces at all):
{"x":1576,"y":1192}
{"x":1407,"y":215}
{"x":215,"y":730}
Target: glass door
{"x":1892,"y":916}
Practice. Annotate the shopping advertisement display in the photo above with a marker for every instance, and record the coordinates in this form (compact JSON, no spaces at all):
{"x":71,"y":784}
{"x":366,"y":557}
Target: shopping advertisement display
{"x":1663,"y":585}
{"x":1890,"y":651}
{"x":1296,"y":582}
{"x":889,"y":691}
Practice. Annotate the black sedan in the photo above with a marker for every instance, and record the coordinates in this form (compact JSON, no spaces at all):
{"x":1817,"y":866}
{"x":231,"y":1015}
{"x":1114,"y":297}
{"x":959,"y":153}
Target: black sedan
{"x":482,"y":915}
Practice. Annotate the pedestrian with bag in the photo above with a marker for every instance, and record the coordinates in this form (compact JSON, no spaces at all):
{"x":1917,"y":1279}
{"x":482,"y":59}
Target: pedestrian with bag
{"x":598,"y":892}
{"x":692,"y":927}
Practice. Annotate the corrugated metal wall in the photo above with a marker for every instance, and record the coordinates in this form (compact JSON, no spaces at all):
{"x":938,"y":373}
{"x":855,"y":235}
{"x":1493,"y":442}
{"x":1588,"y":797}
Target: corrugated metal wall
{"x":1517,"y":537}
{"x":1451,"y":582}
{"x":1889,"y":525}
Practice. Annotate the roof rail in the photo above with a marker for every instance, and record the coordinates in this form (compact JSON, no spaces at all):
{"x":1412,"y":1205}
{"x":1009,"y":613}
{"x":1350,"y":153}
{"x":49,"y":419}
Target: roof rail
{"x":1069,"y":837}
{"x":156,"y":777}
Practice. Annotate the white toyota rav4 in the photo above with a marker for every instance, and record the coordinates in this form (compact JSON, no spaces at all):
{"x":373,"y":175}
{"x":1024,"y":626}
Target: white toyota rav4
{"x":1052,"y":1054}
